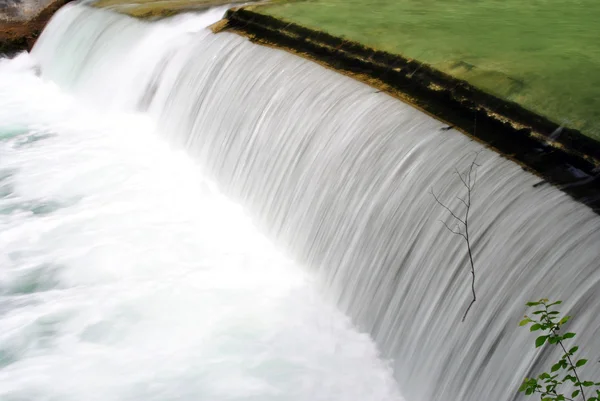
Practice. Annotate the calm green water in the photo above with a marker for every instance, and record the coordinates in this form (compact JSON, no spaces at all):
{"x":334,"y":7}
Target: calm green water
{"x":543,"y":54}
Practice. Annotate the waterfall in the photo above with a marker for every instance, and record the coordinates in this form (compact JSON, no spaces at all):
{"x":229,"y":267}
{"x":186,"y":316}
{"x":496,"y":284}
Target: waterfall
{"x":126,"y":275}
{"x":340,"y":176}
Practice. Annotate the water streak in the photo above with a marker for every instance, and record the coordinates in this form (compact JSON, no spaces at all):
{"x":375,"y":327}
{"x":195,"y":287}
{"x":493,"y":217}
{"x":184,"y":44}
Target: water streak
{"x":339,"y":175}
{"x":126,"y":275}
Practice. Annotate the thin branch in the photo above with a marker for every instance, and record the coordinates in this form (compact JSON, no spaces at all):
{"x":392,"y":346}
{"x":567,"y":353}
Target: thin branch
{"x":452,"y":231}
{"x":469,"y":189}
{"x":473,"y":279}
{"x":574,"y":369}
{"x":447,"y":208}
{"x":461,"y":178}
{"x":469,"y":179}
{"x":471,"y":171}
{"x":462,"y":200}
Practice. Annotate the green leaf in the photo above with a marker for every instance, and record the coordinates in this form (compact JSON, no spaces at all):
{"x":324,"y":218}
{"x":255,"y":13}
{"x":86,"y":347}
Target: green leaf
{"x":564,"y":320}
{"x":568,"y":335}
{"x":538,"y":312}
{"x":555,"y":303}
{"x":524,"y":385}
{"x":555,"y":367}
{"x":588,"y":384}
{"x":544,"y":375}
{"x":573,"y":350}
{"x":575,"y":393}
{"x":535,"y":327}
{"x":581,"y":362}
{"x":540,"y":341}
{"x":532,"y":303}
{"x":524,"y":321}
{"x":554,"y":339}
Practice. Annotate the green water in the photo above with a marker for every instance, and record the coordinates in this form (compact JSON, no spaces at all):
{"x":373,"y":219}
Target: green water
{"x":543,"y":54}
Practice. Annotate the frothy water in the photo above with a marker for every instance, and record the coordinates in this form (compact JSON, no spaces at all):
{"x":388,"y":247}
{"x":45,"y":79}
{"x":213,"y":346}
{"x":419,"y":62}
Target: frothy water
{"x":125,"y":275}
{"x":339,"y":176}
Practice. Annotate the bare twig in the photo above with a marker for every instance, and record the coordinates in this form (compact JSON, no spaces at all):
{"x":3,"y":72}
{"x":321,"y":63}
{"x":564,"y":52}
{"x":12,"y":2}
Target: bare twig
{"x":461,"y":178}
{"x":452,"y":231}
{"x":447,"y":208}
{"x":469,"y":178}
{"x":462,"y":200}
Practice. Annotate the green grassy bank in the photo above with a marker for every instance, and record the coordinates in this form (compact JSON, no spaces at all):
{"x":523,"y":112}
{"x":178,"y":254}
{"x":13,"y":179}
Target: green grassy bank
{"x":542,"y":54}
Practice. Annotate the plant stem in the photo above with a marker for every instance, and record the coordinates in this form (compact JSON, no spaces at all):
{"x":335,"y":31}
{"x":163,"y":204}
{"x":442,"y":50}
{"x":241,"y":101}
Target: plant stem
{"x":574,"y":369}
{"x":472,"y":265}
{"x":469,"y":188}
{"x":554,"y":329}
{"x":468,"y":181}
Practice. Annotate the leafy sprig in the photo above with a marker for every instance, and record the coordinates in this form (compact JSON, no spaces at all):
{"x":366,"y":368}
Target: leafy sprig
{"x":563,"y":373}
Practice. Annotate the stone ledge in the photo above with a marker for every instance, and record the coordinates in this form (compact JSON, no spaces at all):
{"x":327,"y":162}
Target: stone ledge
{"x":572,"y":163}
{"x":156,"y":9}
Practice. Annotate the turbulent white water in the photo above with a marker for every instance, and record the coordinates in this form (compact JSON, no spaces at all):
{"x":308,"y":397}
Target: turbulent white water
{"x":125,"y":275}
{"x":339,"y":176}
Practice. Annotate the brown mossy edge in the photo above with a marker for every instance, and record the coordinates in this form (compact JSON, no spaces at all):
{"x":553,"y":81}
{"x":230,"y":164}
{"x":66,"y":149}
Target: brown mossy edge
{"x":17,"y":36}
{"x":571,"y":162}
{"x":153,"y":10}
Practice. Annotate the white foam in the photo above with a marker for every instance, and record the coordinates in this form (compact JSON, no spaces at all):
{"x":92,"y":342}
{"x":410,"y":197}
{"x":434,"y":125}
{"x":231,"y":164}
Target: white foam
{"x":125,"y":275}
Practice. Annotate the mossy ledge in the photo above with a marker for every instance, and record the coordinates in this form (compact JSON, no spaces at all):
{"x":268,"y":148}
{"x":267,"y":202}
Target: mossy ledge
{"x":571,"y":161}
{"x":157,"y":9}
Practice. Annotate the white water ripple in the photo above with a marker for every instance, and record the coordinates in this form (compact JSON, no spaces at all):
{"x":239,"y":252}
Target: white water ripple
{"x":125,"y":275}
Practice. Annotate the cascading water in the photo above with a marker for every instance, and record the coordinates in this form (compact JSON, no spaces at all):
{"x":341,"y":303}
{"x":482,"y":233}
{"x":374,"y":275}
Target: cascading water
{"x":124,"y":274}
{"x":339,"y":175}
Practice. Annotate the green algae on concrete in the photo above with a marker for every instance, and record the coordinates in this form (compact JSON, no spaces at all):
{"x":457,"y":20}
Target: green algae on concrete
{"x":542,"y":54}
{"x":159,"y":8}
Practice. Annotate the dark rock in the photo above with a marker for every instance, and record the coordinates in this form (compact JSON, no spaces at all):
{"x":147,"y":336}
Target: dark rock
{"x":21,"y":22}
